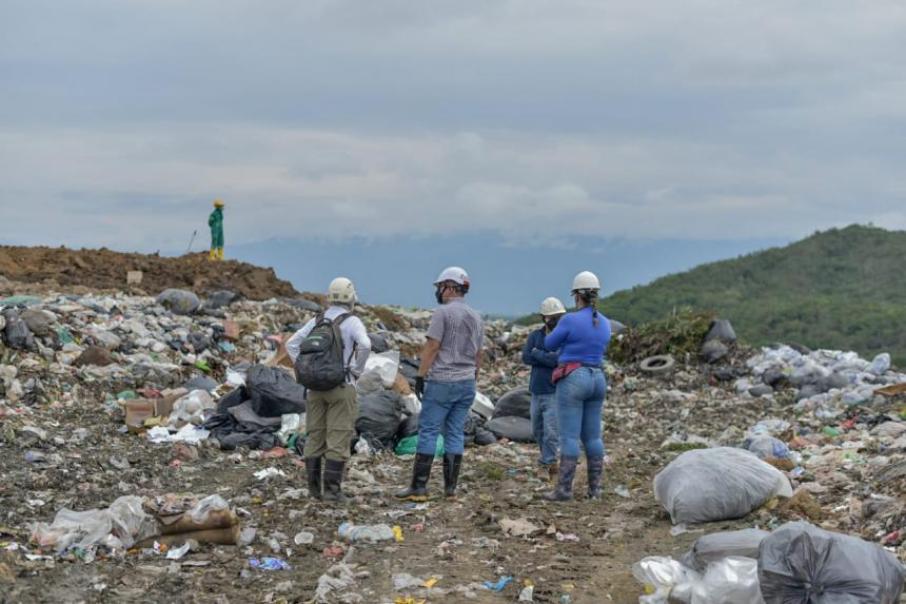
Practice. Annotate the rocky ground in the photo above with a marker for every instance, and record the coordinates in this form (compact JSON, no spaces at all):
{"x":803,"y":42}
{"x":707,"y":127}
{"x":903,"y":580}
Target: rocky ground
{"x":63,"y":444}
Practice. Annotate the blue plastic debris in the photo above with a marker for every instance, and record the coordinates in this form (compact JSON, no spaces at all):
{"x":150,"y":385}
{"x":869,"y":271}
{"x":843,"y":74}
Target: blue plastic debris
{"x":499,"y":585}
{"x":269,"y":563}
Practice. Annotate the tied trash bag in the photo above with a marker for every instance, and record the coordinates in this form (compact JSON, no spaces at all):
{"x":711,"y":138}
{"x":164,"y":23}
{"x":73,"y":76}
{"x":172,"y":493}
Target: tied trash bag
{"x":717,"y":546}
{"x":379,"y":417}
{"x":274,"y":392}
{"x":706,"y":485}
{"x":518,"y":429}
{"x":801,"y":563}
{"x":515,"y":403}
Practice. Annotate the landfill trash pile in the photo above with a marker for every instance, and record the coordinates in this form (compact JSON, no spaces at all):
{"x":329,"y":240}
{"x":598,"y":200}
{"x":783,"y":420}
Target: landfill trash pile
{"x":150,"y":449}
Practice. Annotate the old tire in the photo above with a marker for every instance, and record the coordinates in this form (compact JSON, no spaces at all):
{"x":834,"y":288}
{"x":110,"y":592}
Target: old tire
{"x":661,"y":363}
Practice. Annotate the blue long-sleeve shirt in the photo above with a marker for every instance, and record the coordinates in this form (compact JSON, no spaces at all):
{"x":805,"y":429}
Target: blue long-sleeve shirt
{"x":578,"y":340}
{"x":542,"y":360}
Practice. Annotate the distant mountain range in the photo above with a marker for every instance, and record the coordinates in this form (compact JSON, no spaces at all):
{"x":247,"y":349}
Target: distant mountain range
{"x":841,"y":289}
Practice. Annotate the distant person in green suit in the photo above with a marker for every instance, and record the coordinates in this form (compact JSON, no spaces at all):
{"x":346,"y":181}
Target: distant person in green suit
{"x":215,"y":221}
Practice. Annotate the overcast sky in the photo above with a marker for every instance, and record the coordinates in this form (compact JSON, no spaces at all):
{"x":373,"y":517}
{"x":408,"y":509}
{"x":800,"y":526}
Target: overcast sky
{"x":121,"y":120}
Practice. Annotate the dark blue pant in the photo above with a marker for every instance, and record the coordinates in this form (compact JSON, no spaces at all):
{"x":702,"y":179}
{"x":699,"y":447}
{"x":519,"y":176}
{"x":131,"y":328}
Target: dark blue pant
{"x":580,"y":401}
{"x":445,"y":408}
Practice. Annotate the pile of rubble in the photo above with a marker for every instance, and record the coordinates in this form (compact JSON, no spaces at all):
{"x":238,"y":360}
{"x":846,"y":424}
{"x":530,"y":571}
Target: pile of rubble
{"x":156,"y":439}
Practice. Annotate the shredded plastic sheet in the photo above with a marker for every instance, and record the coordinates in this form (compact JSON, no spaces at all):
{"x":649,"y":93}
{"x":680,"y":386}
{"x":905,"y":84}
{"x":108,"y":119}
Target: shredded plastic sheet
{"x":118,"y":527}
{"x":722,"y":483}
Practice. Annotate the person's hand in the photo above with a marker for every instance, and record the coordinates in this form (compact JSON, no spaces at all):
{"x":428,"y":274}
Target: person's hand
{"x":419,"y":387}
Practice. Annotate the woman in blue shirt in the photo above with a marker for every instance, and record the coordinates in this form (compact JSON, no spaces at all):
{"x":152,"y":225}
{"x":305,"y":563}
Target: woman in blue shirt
{"x":582,"y":338}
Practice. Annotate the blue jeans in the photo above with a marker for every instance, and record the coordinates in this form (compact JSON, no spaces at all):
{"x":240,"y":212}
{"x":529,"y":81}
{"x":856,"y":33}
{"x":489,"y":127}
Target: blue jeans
{"x":445,"y":408}
{"x":544,"y":426}
{"x":580,"y":400}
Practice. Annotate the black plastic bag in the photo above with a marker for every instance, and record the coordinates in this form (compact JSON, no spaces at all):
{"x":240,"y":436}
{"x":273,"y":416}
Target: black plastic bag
{"x":17,"y":334}
{"x":802,"y":564}
{"x":274,"y":392}
{"x":236,"y":397}
{"x":518,"y":429}
{"x":515,"y":403}
{"x":379,"y":417}
{"x":408,"y":426}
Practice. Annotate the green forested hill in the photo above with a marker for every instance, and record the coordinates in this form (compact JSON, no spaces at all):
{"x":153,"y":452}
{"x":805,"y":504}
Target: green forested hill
{"x":842,"y":288}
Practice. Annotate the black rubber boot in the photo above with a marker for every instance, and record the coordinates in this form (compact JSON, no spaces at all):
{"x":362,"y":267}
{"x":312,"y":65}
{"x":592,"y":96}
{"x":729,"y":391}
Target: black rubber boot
{"x":564,"y":488}
{"x":313,"y":470}
{"x":595,"y":473}
{"x":452,"y":463}
{"x":333,"y":478}
{"x":421,"y":472}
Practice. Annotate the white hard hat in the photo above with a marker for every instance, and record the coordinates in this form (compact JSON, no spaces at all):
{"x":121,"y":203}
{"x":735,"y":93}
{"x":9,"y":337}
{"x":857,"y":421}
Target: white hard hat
{"x":552,"y":306}
{"x":455,"y":274}
{"x":586,"y":280}
{"x":341,"y":291}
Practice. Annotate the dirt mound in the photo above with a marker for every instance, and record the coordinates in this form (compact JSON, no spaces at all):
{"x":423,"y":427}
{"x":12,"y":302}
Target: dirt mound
{"x":104,"y":269}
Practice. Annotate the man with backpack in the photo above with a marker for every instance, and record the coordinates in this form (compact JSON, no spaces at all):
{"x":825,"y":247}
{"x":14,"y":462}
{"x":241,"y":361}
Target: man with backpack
{"x":450,"y":362}
{"x":329,"y":354}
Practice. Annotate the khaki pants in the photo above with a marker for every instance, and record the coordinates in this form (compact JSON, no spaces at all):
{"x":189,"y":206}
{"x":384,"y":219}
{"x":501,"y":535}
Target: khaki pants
{"x":330,"y":419}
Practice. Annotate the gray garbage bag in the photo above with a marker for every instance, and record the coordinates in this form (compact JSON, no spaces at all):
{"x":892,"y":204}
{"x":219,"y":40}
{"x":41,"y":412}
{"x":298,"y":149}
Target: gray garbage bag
{"x":515,"y":403}
{"x":706,"y":485}
{"x":379,"y":418}
{"x":803,"y":564}
{"x":716,"y":546}
{"x":17,"y":334}
{"x":274,"y":392}
{"x":721,"y":330}
{"x":179,"y":301}
{"x":221,"y":299}
{"x":518,"y":429}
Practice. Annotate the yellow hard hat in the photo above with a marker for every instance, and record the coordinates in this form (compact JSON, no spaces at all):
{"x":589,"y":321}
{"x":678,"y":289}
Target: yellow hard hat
{"x":218,"y":203}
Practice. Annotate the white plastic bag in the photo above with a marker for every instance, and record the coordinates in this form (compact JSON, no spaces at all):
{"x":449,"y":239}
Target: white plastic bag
{"x":733,"y":579}
{"x":483,"y":406}
{"x":211,"y":503}
{"x":664,"y":579}
{"x":386,"y":365}
{"x":722,"y":483}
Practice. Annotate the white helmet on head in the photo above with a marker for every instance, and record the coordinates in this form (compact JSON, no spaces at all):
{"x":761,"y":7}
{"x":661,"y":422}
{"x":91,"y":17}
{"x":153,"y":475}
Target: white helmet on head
{"x":455,"y":274}
{"x":552,"y":306}
{"x":341,"y":291}
{"x":586,"y":280}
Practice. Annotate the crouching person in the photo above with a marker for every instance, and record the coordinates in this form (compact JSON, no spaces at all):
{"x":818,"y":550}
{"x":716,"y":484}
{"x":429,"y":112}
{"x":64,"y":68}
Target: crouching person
{"x":446,"y":383}
{"x":329,"y":354}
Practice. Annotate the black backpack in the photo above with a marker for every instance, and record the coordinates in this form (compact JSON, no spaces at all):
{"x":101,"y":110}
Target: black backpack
{"x":320,"y":365}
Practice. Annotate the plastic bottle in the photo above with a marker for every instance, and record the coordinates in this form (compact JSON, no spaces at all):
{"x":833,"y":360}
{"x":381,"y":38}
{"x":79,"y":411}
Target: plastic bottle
{"x":370,"y":533}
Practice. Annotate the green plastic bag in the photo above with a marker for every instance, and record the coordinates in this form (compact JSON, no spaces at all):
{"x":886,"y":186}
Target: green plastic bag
{"x":406,"y":446}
